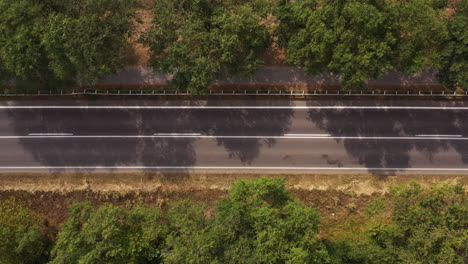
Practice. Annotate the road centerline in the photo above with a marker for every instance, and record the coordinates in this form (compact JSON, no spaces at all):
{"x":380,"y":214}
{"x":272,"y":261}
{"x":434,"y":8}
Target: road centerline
{"x":50,"y":134}
{"x":176,"y":134}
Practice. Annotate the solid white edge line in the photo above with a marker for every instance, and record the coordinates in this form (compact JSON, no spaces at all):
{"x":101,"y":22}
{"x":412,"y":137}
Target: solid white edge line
{"x":176,"y":134}
{"x":439,"y":135}
{"x":229,"y":137}
{"x":310,"y":135}
{"x":239,"y":107}
{"x":221,"y":168}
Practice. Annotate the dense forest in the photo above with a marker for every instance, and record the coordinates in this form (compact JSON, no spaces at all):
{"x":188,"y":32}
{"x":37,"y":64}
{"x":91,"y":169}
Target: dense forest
{"x":59,"y":42}
{"x":259,"y":221}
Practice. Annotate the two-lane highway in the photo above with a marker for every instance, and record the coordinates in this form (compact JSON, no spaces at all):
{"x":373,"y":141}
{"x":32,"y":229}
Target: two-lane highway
{"x":262,"y":136}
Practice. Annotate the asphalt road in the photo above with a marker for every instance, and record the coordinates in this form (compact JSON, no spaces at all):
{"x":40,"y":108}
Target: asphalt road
{"x":250,"y":136}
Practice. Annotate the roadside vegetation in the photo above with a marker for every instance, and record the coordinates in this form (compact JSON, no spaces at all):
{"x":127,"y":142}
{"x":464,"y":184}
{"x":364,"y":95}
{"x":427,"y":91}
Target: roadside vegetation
{"x":259,"y":221}
{"x":200,"y":41}
{"x":204,"y":40}
{"x":61,"y":42}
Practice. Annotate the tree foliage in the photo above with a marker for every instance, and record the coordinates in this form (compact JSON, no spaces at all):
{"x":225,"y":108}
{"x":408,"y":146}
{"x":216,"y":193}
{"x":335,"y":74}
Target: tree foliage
{"x":199,"y":41}
{"x":422,"y":27}
{"x":110,"y":235}
{"x":428,"y":226}
{"x":22,"y":240}
{"x":431,"y":225}
{"x":87,"y":41}
{"x":259,"y":222}
{"x":54,"y":40}
{"x":21,"y":54}
{"x":363,"y":39}
{"x":454,"y":63}
{"x":356,"y":39}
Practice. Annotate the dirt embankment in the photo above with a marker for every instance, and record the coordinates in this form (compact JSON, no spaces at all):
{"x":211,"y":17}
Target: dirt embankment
{"x":336,"y":197}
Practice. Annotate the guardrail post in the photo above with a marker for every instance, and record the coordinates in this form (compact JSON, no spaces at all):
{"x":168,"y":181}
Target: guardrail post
{"x":268,"y":91}
{"x":455,"y":93}
{"x":326,"y":92}
{"x":256,"y":92}
{"x":291,"y":92}
{"x":384,"y":92}
{"x":245,"y":91}
{"x":373,"y":92}
{"x":303,"y":92}
{"x":118,"y":92}
{"x":431,"y":92}
{"x":419,"y":92}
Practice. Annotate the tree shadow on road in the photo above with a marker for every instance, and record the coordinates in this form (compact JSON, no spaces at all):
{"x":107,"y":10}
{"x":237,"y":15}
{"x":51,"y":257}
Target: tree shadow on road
{"x":103,"y":152}
{"x":245,"y":122}
{"x":390,"y":156}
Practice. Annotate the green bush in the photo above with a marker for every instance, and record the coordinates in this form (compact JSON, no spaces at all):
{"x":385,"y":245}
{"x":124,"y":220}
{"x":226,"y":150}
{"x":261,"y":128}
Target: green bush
{"x":22,"y":240}
{"x":110,"y":235}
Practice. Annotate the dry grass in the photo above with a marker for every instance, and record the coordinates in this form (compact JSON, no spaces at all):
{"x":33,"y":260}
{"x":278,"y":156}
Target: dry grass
{"x":341,"y":199}
{"x":147,"y":182}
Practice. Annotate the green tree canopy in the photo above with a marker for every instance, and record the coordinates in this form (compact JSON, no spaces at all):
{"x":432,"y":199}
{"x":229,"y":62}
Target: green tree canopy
{"x":110,"y":235}
{"x":22,"y":240}
{"x":428,"y":226}
{"x":87,"y":41}
{"x":363,"y":39}
{"x":431,"y":225}
{"x":190,"y":238}
{"x":55,"y":40}
{"x":199,"y":41}
{"x":453,"y":71}
{"x":422,"y":27}
{"x":259,"y":222}
{"x":21,"y":53}
{"x":356,"y":39}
